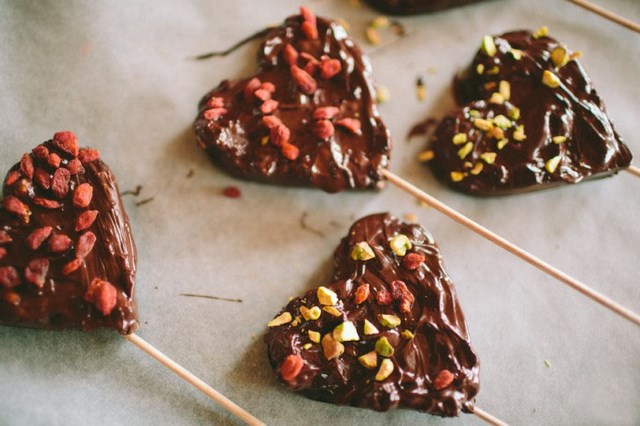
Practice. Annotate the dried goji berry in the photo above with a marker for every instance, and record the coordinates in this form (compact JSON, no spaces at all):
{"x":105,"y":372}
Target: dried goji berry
{"x":351,"y":124}
{"x":3,"y":252}
{"x":291,"y":367}
{"x":215,"y":102}
{"x":26,"y":165}
{"x":102,"y":294}
{"x":323,"y":129}
{"x":330,"y":68}
{"x":308,"y":15}
{"x":12,"y":178}
{"x":67,"y":142}
{"x":383,"y":297}
{"x":443,"y":379}
{"x":82,"y":195}
{"x":12,"y":298}
{"x":46,"y":203}
{"x":305,"y":82}
{"x":262,"y":94}
{"x":325,"y":113}
{"x":87,"y":155}
{"x":290,"y":55}
{"x":310,"y":68}
{"x":42,"y":178}
{"x":85,"y":244}
{"x":60,"y":182}
{"x":54,"y":160}
{"x":85,"y":220}
{"x":251,"y":86}
{"x":362,"y":293}
{"x":40,"y":152}
{"x":413,"y":260}
{"x":38,"y":236}
{"x":36,"y":272}
{"x":59,"y":243}
{"x":309,"y":30}
{"x":214,"y":113}
{"x":231,"y":192}
{"x":5,"y":237}
{"x":271,"y":121}
{"x":9,"y":277}
{"x":280,"y":135}
{"x":15,"y":206}
{"x":75,"y":167}
{"x":71,"y":266}
{"x":269,"y":106}
{"x":289,"y":151}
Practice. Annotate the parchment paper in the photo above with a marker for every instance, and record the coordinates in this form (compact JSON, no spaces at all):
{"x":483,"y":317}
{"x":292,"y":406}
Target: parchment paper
{"x":119,"y":75}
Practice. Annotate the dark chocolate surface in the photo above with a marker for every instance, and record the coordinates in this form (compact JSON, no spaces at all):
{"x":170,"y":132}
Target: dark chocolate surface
{"x":416,"y":7}
{"x":240,"y":142}
{"x":440,"y":340}
{"x":568,"y":135}
{"x":60,"y":302}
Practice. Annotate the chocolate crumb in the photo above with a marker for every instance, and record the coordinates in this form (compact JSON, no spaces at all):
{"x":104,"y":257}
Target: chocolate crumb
{"x":145,"y":201}
{"x":134,"y":192}
{"x":190,"y":174}
{"x":204,"y":296}
{"x":422,"y":128}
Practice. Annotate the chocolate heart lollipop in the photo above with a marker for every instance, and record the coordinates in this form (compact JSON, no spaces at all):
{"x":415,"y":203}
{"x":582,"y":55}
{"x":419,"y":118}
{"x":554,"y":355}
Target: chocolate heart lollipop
{"x":416,"y":7}
{"x":388,"y":332}
{"x":67,"y":257}
{"x":532,"y":120}
{"x":307,"y":117}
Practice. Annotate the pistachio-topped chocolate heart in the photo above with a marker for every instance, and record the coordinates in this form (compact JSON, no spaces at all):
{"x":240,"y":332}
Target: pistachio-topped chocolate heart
{"x":530,"y":119}
{"x":387,"y":333}
{"x":307,"y":117}
{"x":67,"y":257}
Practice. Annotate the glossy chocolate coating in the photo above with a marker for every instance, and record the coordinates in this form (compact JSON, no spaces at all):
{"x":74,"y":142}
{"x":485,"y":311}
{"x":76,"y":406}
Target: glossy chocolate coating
{"x":572,"y":110}
{"x":60,"y":303}
{"x":416,"y":7}
{"x":236,"y":141}
{"x":440,"y":337}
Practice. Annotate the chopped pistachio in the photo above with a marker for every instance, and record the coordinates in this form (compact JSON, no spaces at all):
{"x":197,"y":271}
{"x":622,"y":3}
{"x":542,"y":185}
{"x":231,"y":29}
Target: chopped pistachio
{"x":310,"y":314}
{"x":465,"y":150}
{"x":362,"y":251}
{"x":388,"y":320}
{"x":372,"y":36}
{"x":543,"y":31}
{"x":369,"y":328}
{"x":497,"y":133}
{"x":474,"y":113}
{"x":306,"y":346}
{"x":383,"y":347}
{"x":386,"y":368}
{"x":400,"y":244}
{"x":332,"y":310}
{"x":314,"y":336}
{"x":380,"y":22}
{"x":559,"y":56}
{"x":575,"y":55}
{"x":295,"y":321}
{"x":331,"y":348}
{"x":502,"y":121}
{"x":488,"y":46}
{"x":493,"y":70}
{"x":406,"y":333}
{"x":504,"y":87}
{"x":411,"y":217}
{"x":516,"y":53}
{"x":547,"y":363}
{"x":459,"y":138}
{"x":552,"y":164}
{"x":425,"y":156}
{"x":327,"y":296}
{"x":496,"y":98}
{"x":480,"y":69}
{"x":382,"y":94}
{"x":490,"y":86}
{"x":467,"y":164}
{"x":456,"y":176}
{"x":514,"y":113}
{"x":559,"y":139}
{"x":518,"y":134}
{"x":283,"y":318}
{"x":550,"y":79}
{"x":346,"y":332}
{"x":369,"y":360}
{"x":477,"y":168}
{"x":488,"y":157}
{"x":483,"y":124}
{"x":502,"y":143}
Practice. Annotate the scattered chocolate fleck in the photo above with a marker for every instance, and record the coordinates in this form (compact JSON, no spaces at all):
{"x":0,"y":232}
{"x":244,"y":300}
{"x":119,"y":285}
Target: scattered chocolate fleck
{"x":204,"y":296}
{"x":145,"y":201}
{"x":422,"y":128}
{"x":306,"y":227}
{"x":236,"y":46}
{"x":134,"y":192}
{"x":190,"y":174}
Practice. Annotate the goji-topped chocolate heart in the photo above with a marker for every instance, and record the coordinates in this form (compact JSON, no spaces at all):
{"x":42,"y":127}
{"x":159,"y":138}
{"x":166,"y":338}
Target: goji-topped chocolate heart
{"x":67,"y":257}
{"x":531,"y":119}
{"x":308,"y":116}
{"x":387,"y":333}
{"x":415,"y":7}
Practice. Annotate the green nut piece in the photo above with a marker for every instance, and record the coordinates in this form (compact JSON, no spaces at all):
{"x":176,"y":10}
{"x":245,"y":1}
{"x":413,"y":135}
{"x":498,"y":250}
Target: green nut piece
{"x":406,"y":333}
{"x":473,"y":113}
{"x":504,"y":87}
{"x":310,"y":314}
{"x":502,"y":121}
{"x":488,"y":46}
{"x":456,"y":176}
{"x":518,"y":134}
{"x":559,"y":139}
{"x":483,"y":124}
{"x":369,"y":328}
{"x":496,"y":98}
{"x":516,"y":53}
{"x":400,"y":244}
{"x":331,"y":348}
{"x":369,"y":360}
{"x":514,"y":113}
{"x":383,"y":347}
{"x":386,"y":368}
{"x":327,"y":296}
{"x":550,"y":79}
{"x":346,"y":332}
{"x":362,"y":251}
{"x":465,"y":150}
{"x":282,"y":319}
{"x":502,"y":143}
{"x":314,"y":336}
{"x":389,"y":321}
{"x":332,"y":310}
{"x":459,"y":138}
{"x":488,"y":157}
{"x":552,"y":164}
{"x":480,"y":69}
{"x":559,"y":56}
{"x":543,"y":31}
{"x":306,"y":346}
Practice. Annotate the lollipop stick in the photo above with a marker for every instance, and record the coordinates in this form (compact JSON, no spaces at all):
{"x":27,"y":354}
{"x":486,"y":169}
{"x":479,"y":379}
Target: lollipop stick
{"x":193,"y":380}
{"x":633,"y":170}
{"x":512,"y":248}
{"x":607,"y":14}
{"x":488,"y":417}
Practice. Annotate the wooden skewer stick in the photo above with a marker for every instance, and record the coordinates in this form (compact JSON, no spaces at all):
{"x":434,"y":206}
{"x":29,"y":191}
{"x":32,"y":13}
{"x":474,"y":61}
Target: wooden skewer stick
{"x":608,"y":14}
{"x":492,"y":420}
{"x":512,"y":248}
{"x":193,"y":380}
{"x":633,"y":170}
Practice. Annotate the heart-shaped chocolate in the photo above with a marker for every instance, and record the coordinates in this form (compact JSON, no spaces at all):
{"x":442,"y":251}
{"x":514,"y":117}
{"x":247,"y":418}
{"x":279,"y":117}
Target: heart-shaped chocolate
{"x":67,"y":257}
{"x":416,"y":7}
{"x":387,"y":333}
{"x":532,"y":120}
{"x":308,"y":116}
